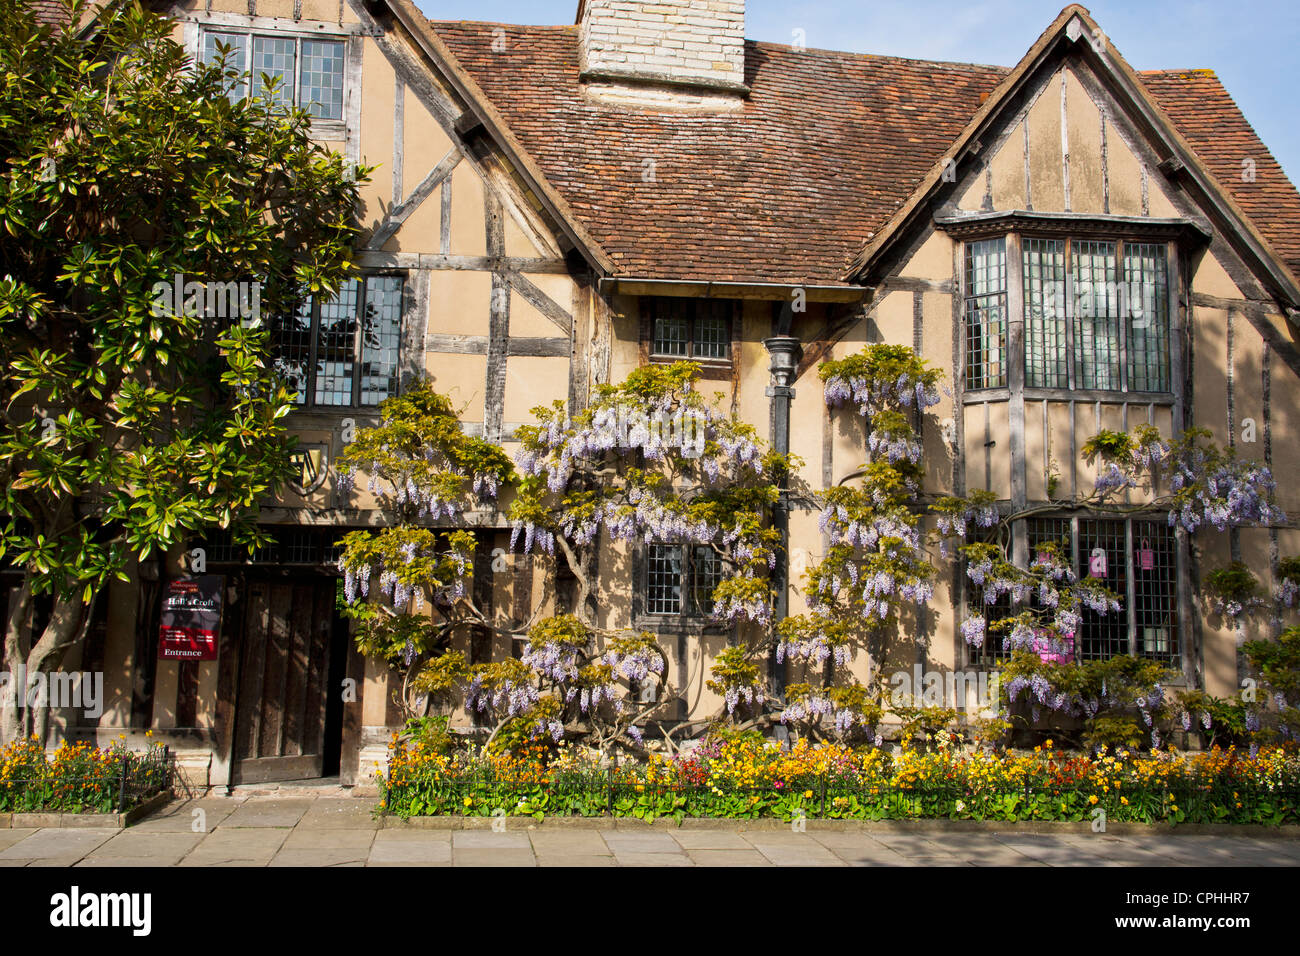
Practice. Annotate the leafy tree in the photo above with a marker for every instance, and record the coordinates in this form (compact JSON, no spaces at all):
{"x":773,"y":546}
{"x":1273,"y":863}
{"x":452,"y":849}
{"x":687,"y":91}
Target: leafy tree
{"x":130,"y":419}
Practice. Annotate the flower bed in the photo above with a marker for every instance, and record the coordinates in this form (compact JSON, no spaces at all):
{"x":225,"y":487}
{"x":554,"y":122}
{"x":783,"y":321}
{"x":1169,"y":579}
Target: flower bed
{"x":747,"y":779}
{"x":79,"y":778}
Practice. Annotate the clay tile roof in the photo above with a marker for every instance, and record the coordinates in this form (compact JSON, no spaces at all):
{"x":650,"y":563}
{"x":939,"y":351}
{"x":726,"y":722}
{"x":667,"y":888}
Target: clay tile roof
{"x":789,"y":187}
{"x":50,"y":11}
{"x":1216,"y":128}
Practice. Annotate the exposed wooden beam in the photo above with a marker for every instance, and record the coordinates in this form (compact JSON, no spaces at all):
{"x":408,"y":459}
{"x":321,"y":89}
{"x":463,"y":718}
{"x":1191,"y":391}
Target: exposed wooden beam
{"x":399,"y":213}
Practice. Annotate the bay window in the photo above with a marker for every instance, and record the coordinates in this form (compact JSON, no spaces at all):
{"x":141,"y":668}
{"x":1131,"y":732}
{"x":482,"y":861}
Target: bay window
{"x":1095,"y":313}
{"x":986,"y":313}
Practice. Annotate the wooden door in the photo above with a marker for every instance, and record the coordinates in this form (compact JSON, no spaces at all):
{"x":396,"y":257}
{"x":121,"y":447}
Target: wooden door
{"x":283,"y":674}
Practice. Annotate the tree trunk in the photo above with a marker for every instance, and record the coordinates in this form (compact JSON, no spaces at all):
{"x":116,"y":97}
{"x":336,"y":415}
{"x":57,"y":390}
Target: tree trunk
{"x":15,"y":655}
{"x":66,"y":628}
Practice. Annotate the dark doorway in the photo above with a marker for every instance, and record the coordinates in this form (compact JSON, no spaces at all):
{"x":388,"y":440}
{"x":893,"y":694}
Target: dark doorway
{"x":288,"y":720}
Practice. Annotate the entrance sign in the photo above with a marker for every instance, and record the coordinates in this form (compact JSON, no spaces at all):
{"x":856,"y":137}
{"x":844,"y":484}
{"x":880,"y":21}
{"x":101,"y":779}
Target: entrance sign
{"x":191,"y":618}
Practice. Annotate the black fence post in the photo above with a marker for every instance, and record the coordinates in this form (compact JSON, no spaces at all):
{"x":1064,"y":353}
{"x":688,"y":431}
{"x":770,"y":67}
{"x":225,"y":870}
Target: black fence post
{"x":121,"y":787}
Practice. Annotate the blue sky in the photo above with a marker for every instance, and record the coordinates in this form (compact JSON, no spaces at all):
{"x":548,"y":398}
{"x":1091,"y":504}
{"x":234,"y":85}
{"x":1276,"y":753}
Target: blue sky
{"x":1251,"y":44}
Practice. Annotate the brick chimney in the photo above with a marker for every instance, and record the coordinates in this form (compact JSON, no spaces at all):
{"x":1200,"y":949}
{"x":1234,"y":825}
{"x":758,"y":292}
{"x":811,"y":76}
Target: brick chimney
{"x":671,"y":53}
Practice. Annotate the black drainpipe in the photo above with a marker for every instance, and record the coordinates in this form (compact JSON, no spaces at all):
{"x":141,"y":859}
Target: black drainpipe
{"x":785,"y":351}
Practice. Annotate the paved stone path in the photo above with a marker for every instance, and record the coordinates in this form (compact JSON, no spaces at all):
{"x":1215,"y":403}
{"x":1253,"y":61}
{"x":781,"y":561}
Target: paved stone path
{"x":341,"y":831}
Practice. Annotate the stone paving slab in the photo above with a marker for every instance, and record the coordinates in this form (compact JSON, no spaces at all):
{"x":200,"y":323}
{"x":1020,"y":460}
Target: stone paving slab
{"x":332,"y":829}
{"x":491,"y":840}
{"x":181,"y":815}
{"x":329,"y":839}
{"x":728,"y":858}
{"x":343,"y":813}
{"x":499,"y":856}
{"x":321,"y":856}
{"x":649,"y":842}
{"x":711,"y":840}
{"x":269,"y":813}
{"x":9,"y":837}
{"x":419,"y":848}
{"x":67,"y":846}
{"x":166,"y":847}
{"x":573,"y":842}
{"x":653,"y":859}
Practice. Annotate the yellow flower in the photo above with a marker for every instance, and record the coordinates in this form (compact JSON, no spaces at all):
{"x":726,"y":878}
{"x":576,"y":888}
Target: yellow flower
{"x":469,"y":801}
{"x":1093,"y":798}
{"x":807,"y":794}
{"x":1124,"y":800}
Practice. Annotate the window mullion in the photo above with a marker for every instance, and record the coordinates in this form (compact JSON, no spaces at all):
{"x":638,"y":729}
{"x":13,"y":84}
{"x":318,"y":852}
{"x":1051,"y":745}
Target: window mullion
{"x":1069,"y":315}
{"x":358,"y":311}
{"x":309,"y":400}
{"x":1130,"y":589}
{"x":1074,"y":561}
{"x":1125,"y":310}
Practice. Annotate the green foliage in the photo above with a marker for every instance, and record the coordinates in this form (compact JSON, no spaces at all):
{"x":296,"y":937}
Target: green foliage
{"x":125,"y":166}
{"x":428,"y":734}
{"x":1114,"y":696}
{"x":1114,"y":731}
{"x":1277,"y":662}
{"x":924,"y":727}
{"x":406,"y":584}
{"x":1236,"y":582}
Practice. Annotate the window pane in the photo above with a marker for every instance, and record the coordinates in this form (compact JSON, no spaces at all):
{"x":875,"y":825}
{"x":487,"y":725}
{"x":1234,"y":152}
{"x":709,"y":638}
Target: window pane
{"x":291,"y":346}
{"x":986,"y":318}
{"x":1103,"y":636}
{"x":712,"y":330}
{"x":274,"y":57}
{"x":236,"y":60}
{"x":664,"y":580}
{"x":1155,"y":592}
{"x":1096,"y":315}
{"x":1045,"y":350}
{"x":706,"y":568}
{"x":1147,"y":317}
{"x":380,"y":337}
{"x":320,"y":86}
{"x":670,"y":330}
{"x":336,"y":347}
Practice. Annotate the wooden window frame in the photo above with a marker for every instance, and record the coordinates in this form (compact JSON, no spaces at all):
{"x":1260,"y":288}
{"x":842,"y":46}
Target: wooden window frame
{"x":309,"y":403}
{"x":1178,"y":650}
{"x":691,"y":612}
{"x":322,"y":127}
{"x":1016,"y":359}
{"x":710,"y":368}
